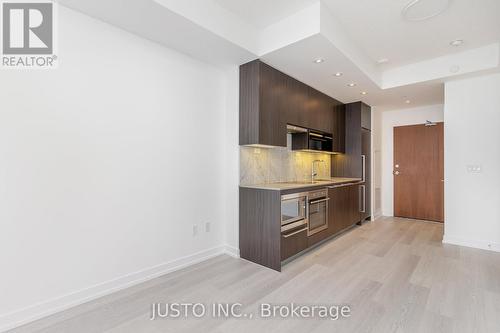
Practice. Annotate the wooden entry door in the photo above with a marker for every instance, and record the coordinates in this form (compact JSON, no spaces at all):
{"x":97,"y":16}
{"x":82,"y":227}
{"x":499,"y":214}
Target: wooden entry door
{"x":419,"y":172}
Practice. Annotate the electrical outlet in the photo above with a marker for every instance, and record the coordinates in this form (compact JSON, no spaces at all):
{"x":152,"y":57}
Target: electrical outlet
{"x":207,"y":227}
{"x":195,"y":230}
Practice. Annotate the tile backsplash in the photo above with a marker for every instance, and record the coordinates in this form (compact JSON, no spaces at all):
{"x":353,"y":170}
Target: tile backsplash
{"x":268,"y":165}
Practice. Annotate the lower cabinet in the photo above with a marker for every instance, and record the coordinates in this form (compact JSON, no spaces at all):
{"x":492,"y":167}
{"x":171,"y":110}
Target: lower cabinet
{"x":293,"y":242}
{"x":260,"y":237}
{"x":318,"y":237}
{"x":343,"y":209}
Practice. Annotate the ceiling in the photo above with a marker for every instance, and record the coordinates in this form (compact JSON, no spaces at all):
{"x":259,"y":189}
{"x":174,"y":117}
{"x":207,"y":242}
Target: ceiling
{"x":350,"y":35}
{"x":262,"y":13}
{"x":381,"y":32}
{"x":296,"y":60}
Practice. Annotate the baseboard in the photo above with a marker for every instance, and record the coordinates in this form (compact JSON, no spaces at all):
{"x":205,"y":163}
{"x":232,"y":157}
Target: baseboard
{"x":477,"y":244}
{"x":232,"y":251}
{"x":44,"y":309}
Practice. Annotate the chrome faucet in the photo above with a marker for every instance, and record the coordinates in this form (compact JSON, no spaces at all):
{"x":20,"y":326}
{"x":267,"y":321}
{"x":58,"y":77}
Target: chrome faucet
{"x":314,"y":173}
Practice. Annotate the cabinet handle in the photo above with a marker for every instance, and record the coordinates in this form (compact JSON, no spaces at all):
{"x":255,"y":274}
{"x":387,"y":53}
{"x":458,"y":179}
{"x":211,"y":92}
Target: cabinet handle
{"x":295,"y":232}
{"x":359,"y":198}
{"x":363,"y":188}
{"x":363,"y":158}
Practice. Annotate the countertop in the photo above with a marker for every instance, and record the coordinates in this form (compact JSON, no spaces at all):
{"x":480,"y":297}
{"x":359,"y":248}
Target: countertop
{"x":291,"y":185}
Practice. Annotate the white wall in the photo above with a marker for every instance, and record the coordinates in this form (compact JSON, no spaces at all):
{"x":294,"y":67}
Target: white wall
{"x":106,"y":164}
{"x":472,"y":137}
{"x":391,"y":119}
{"x":232,"y":161}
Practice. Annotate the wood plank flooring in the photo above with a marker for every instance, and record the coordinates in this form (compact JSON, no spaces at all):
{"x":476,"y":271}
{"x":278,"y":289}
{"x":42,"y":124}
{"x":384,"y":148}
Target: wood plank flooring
{"x":395,"y":274}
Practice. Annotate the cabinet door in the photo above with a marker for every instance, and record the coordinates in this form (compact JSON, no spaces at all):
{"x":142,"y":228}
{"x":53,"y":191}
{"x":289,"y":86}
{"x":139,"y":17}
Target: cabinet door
{"x":339,"y":214}
{"x":310,"y":116}
{"x":293,"y":242}
{"x":273,"y":107}
{"x":339,"y":129}
{"x":326,"y":113}
{"x":296,"y":95}
{"x":355,"y":202}
{"x":366,"y":116}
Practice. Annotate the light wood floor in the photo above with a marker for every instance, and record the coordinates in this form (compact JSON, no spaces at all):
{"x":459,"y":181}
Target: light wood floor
{"x":395,"y":274}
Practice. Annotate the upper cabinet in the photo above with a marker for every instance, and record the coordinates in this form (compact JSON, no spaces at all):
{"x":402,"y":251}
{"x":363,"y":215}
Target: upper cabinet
{"x":296,"y":103}
{"x":357,"y":118}
{"x":262,"y":105}
{"x":339,"y":129}
{"x":269,"y":100}
{"x":366,"y":116}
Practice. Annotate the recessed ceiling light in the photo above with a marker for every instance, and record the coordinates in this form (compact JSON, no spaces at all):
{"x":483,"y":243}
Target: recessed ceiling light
{"x":407,"y":101}
{"x":319,"y":60}
{"x":383,"y":61}
{"x":457,"y":42}
{"x":338,"y":74}
{"x":364,"y":93}
{"x":420,"y":10}
{"x":351,"y":85}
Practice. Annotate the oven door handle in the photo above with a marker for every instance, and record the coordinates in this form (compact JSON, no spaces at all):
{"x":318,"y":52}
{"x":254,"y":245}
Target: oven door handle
{"x":293,"y":225}
{"x":294,"y":233}
{"x":318,"y":201}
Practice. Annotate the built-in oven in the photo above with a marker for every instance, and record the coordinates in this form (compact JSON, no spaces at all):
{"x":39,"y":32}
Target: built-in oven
{"x":317,"y":211}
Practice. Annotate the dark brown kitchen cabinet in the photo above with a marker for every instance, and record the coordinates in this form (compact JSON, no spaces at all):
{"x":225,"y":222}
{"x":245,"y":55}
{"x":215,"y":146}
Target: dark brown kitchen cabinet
{"x":339,"y":129}
{"x":367,"y":161}
{"x":260,"y":226}
{"x":327,"y":113}
{"x":262,"y":105}
{"x":354,"y":216}
{"x":317,"y":237}
{"x":262,"y":239}
{"x":344,"y":208}
{"x":270,"y":99}
{"x":296,"y":102}
{"x":293,"y":243}
{"x":273,"y":106}
{"x":320,"y":111}
{"x":350,"y":164}
{"x":366,"y":118}
{"x":356,"y":162}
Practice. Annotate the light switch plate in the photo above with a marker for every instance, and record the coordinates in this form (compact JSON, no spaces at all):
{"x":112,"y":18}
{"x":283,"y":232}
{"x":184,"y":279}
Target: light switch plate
{"x":474,"y":168}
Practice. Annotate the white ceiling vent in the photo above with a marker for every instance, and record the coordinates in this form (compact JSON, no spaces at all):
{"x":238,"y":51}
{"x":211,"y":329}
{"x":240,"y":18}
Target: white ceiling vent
{"x":420,"y":10}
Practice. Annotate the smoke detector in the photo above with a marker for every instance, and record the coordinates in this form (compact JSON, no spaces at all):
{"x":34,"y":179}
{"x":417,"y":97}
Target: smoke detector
{"x":421,"y":10}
